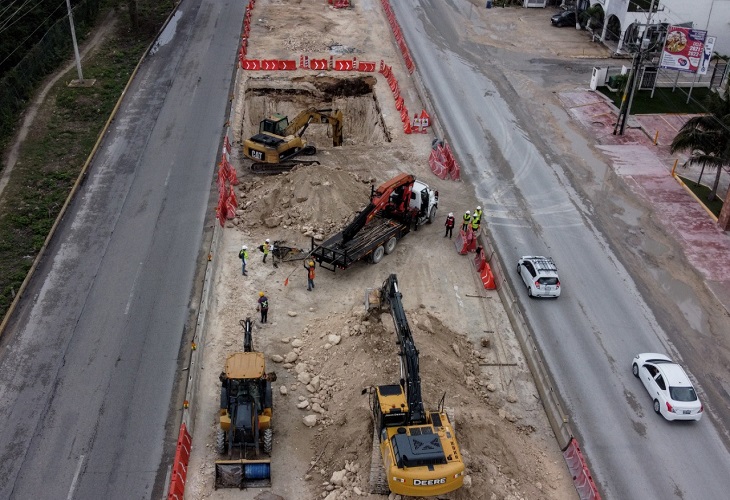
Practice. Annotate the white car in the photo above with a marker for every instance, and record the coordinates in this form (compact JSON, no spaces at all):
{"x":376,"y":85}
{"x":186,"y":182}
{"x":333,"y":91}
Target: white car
{"x":668,"y":385}
{"x":540,"y":275}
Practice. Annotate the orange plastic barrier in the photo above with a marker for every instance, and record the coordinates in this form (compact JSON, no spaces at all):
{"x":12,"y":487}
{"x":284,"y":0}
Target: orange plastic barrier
{"x":343,"y":65}
{"x":578,"y":468}
{"x":180,"y":465}
{"x":437,"y":167}
{"x":398,"y":35}
{"x":487,"y":277}
{"x":366,"y":66}
{"x":270,"y":64}
{"x":339,"y":4}
{"x":318,"y":64}
{"x":250,"y":64}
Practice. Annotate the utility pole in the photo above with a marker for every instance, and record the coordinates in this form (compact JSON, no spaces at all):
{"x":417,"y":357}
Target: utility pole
{"x":632,"y":81}
{"x":73,"y":38}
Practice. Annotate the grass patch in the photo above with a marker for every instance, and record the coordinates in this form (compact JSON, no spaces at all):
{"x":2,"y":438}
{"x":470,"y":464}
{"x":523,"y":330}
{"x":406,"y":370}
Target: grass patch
{"x":664,"y":100}
{"x":62,"y":137}
{"x":702,"y":192}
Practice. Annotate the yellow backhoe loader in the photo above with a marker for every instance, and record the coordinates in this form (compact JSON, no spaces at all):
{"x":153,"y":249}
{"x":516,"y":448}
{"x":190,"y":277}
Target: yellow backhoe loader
{"x":245,"y":433}
{"x":279,"y":141}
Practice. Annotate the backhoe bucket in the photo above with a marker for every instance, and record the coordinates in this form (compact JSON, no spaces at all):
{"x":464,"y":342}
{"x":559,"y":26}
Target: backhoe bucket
{"x":242,"y":474}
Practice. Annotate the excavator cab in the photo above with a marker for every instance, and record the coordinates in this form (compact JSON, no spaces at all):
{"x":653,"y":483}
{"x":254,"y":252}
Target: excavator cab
{"x":276,"y":124}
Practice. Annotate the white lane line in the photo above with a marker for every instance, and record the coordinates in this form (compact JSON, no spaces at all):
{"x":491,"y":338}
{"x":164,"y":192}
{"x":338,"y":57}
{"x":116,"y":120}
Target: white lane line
{"x":134,"y":286}
{"x":76,"y":478}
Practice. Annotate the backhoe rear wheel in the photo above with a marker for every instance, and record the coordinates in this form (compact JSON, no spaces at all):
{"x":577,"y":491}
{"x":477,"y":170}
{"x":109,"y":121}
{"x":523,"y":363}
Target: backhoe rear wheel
{"x":268,"y":441}
{"x":221,"y":443}
{"x":378,"y":479}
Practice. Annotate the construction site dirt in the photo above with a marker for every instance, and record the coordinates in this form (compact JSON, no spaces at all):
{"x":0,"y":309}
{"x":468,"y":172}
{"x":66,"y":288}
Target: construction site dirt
{"x":324,"y":346}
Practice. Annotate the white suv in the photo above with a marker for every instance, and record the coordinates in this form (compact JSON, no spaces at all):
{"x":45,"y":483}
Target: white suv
{"x":540,"y":275}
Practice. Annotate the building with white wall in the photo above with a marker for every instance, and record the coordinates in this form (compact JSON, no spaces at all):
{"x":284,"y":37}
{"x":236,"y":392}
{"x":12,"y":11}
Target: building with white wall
{"x":623,"y":19}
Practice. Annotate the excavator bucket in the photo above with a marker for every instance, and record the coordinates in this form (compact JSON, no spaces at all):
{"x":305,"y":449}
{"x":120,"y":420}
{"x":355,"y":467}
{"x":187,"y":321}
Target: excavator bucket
{"x":242,"y":474}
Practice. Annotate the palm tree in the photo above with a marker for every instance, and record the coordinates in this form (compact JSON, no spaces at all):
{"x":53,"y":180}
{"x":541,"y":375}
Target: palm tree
{"x":707,"y":138}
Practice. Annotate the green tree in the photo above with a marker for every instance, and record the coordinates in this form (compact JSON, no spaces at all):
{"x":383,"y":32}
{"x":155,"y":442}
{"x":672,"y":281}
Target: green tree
{"x":707,"y":138}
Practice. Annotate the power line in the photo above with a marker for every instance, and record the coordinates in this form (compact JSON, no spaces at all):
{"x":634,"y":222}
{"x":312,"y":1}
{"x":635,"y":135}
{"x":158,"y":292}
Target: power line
{"x":39,"y":26}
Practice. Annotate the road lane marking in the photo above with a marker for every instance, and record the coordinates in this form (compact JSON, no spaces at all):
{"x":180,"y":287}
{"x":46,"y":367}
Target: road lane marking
{"x":76,"y":478}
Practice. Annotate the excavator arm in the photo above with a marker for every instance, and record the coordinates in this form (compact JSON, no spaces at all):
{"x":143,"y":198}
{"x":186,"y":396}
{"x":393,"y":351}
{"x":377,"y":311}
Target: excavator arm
{"x":299,"y":123}
{"x":393,"y":195}
{"x":390,"y":295}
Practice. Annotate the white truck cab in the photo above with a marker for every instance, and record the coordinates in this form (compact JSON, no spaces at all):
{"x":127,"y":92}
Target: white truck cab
{"x":425,"y":200}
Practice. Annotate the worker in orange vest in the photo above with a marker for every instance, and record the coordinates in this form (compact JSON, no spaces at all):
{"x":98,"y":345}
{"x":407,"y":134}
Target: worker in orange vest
{"x":309,"y":266}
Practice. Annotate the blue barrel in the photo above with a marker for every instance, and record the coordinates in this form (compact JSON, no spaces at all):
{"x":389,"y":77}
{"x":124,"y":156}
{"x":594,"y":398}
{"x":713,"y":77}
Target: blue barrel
{"x":257,"y":471}
{"x":489,"y":4}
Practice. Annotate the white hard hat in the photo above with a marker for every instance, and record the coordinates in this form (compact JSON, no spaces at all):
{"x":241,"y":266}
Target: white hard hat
{"x":244,"y":247}
{"x":451,"y":214}
{"x":468,"y":212}
{"x":479,"y":208}
{"x":267,"y":240}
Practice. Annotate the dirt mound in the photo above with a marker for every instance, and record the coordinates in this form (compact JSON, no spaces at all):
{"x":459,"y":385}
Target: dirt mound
{"x":308,"y":201}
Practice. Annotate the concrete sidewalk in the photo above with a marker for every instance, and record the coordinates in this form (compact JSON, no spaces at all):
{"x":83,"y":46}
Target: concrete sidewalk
{"x":647,"y":169}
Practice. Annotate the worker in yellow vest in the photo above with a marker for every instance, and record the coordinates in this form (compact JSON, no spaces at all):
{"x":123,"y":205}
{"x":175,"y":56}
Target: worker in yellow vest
{"x":466,"y":221}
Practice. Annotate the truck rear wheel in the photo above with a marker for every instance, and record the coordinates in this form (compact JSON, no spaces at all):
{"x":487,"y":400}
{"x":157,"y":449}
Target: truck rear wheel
{"x":390,"y":245}
{"x":378,"y":254}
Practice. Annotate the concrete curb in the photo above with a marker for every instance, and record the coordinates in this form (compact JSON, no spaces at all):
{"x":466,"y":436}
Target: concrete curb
{"x":79,"y":180}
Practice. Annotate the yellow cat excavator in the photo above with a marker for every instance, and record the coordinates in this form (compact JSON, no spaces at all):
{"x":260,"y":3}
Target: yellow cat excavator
{"x":279,"y":141}
{"x":415,"y":452}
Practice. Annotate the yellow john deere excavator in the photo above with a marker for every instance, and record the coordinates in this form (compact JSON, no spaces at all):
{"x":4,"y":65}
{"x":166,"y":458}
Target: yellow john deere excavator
{"x":279,"y":140}
{"x":245,"y":433}
{"x":415,"y":452}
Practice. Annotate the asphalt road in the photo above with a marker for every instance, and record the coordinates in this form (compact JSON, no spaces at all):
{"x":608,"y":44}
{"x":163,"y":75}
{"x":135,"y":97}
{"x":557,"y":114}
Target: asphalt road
{"x":89,"y":362}
{"x":588,"y":336}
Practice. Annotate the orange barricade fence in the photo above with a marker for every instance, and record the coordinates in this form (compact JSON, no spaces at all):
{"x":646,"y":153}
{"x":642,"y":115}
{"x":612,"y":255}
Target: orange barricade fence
{"x":578,"y":468}
{"x":484,"y":270}
{"x":339,"y":4}
{"x":437,"y":166}
{"x":398,"y":35}
{"x":180,"y":465}
{"x":231,"y":204}
{"x":461,"y":243}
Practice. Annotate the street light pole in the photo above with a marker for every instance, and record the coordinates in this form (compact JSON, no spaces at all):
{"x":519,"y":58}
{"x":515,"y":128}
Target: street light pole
{"x":633,"y":78}
{"x":73,"y":38}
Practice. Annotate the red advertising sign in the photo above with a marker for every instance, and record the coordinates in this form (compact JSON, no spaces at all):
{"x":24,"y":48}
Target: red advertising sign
{"x":683,"y":49}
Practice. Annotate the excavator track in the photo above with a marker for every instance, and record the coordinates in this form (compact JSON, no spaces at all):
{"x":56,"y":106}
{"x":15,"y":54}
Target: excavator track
{"x":279,"y":168}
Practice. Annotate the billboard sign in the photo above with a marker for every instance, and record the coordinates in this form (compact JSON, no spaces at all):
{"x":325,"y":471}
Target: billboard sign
{"x":683,"y":49}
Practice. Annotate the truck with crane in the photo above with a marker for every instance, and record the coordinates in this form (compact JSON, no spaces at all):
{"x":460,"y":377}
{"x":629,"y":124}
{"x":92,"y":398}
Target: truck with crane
{"x":415,"y":452}
{"x":395,"y":207}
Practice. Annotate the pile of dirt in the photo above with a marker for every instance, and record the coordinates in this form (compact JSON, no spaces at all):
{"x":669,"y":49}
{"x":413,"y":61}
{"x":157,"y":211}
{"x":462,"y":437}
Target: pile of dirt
{"x":313,"y":201}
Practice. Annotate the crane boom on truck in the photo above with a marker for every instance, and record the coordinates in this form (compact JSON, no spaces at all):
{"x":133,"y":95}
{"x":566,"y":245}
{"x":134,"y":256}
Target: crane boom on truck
{"x":395,"y":207}
{"x":279,"y":140}
{"x":415,"y":452}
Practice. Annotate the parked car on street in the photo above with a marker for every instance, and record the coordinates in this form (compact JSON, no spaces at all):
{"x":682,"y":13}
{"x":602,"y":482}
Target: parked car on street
{"x":540,"y":275}
{"x":565,"y":18}
{"x":668,"y":385}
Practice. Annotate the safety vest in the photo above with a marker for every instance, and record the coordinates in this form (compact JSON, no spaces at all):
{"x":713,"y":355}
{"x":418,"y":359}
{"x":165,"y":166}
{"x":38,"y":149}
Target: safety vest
{"x":311,"y":272}
{"x":475,"y":223}
{"x":264,"y":303}
{"x":267,"y":246}
{"x":243,"y":254}
{"x":478,"y":214}
{"x":467,"y":218}
{"x":450,"y":222}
